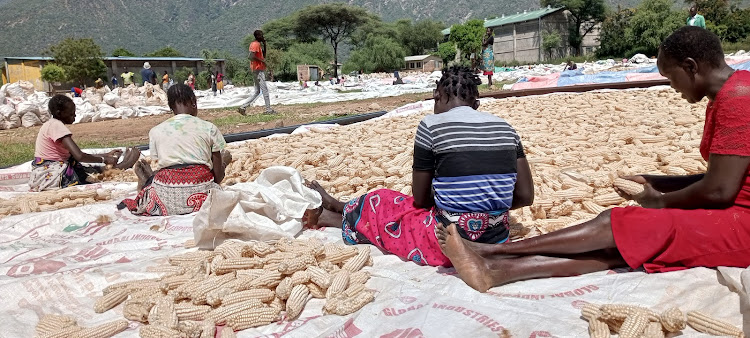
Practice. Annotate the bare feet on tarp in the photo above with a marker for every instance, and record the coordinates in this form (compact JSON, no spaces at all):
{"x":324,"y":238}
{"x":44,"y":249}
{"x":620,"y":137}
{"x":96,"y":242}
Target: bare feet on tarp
{"x":143,"y":171}
{"x":481,"y":249}
{"x":471,"y":267}
{"x":329,"y":202}
{"x":310,"y":218}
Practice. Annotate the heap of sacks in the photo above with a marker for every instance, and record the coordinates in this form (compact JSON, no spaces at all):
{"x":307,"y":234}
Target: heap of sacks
{"x":22,"y":106}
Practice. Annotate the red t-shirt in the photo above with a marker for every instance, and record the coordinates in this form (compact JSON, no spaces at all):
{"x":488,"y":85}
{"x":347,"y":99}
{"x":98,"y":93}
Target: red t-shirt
{"x":257,"y":50}
{"x":727,"y":128}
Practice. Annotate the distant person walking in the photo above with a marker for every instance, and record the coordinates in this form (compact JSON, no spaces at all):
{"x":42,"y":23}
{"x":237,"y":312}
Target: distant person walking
{"x":220,"y":82}
{"x":114,"y":81}
{"x":191,"y":81}
{"x":127,"y":78}
{"x":696,"y":19}
{"x":165,"y":81}
{"x":488,"y":55}
{"x":212,"y":81}
{"x":147,"y":75}
{"x":258,"y":66}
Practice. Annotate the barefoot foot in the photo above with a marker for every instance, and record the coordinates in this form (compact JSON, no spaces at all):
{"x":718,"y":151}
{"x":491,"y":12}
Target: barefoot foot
{"x":329,"y":202}
{"x":310,"y":218}
{"x":143,"y":170}
{"x":129,"y":159}
{"x":471,"y":267}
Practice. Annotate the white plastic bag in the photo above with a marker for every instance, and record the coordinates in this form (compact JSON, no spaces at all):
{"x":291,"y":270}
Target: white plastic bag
{"x":14,"y":90}
{"x":6,"y":111}
{"x":27,"y":107}
{"x":111,"y":99}
{"x":30,"y":119}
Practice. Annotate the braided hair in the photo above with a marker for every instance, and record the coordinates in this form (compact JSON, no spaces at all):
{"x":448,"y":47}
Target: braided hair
{"x":180,"y":94}
{"x":57,"y":104}
{"x":459,"y":82}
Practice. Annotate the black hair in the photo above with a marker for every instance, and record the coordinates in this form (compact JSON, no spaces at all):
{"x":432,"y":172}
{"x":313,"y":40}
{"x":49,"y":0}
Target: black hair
{"x":257,"y":33}
{"x":459,"y":82}
{"x":57,"y":104}
{"x":697,"y":43}
{"x":180,"y":93}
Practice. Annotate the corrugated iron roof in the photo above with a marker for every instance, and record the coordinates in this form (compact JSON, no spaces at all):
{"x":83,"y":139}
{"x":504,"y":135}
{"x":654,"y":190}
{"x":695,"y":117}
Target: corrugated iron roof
{"x":515,"y":18}
{"x":416,"y":57}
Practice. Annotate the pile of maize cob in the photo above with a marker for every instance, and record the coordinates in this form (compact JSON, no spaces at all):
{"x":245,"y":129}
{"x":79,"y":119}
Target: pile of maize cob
{"x":52,"y":200}
{"x":238,"y":285}
{"x":630,"y":321}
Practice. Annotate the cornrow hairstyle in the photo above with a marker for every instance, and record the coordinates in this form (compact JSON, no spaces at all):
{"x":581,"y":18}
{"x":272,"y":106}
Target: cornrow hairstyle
{"x":697,"y":43}
{"x":180,"y":93}
{"x":57,"y":104}
{"x":459,"y":82}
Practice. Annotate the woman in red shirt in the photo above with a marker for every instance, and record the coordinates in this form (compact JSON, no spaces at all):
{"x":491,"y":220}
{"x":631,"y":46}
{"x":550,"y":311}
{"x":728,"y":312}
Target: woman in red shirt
{"x":685,"y":221}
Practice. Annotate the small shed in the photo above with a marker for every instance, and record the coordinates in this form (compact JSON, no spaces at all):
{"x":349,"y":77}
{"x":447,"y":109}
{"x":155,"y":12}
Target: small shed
{"x":16,"y":69}
{"x":424,"y":63}
{"x":308,"y":73}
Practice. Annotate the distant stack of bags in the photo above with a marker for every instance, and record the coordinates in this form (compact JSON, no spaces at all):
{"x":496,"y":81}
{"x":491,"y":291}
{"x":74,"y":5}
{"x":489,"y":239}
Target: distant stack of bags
{"x":22,"y":106}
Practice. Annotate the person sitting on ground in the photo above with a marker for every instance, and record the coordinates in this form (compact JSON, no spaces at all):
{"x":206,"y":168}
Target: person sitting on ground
{"x":77,"y":92}
{"x":469,"y":169}
{"x":570,"y":66}
{"x":684,"y":222}
{"x":188,"y":150}
{"x":57,"y":158}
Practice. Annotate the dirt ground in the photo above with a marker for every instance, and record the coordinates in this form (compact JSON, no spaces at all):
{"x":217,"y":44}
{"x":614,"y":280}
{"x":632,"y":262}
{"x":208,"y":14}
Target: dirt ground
{"x":135,"y":131}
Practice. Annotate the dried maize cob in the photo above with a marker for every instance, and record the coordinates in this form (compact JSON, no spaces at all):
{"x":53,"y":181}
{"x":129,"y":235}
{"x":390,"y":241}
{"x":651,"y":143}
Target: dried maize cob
{"x":252,"y":273}
{"x":284,"y":289}
{"x":620,"y":311}
{"x":152,"y":292}
{"x":127,"y":284}
{"x":346,"y":306}
{"x":277,"y":303}
{"x":263,"y":295}
{"x":199,"y":293}
{"x":190,"y":328}
{"x":227,"y":332}
{"x":634,"y":325}
{"x":563,"y":209}
{"x":339,"y":283}
{"x":191,"y":257}
{"x":316,"y":291}
{"x":328,"y":266}
{"x":65,"y":332}
{"x":208,"y":329}
{"x":237,"y":263}
{"x":628,"y":186}
{"x":187,"y":311}
{"x":300,"y":277}
{"x":51,"y":323}
{"x":159,"y":331}
{"x":575,"y":195}
{"x":706,"y":324}
{"x":598,"y":328}
{"x":214,"y":297}
{"x":359,"y":277}
{"x":172,"y":282}
{"x":608,"y":199}
{"x":222,"y":313}
{"x":353,"y":290}
{"x":230,"y":249}
{"x":267,"y":280}
{"x":262,"y":249}
{"x":653,"y":330}
{"x":137,"y":309}
{"x":163,"y":313}
{"x":110,"y":300}
{"x":253,"y":318}
{"x":291,"y":266}
{"x":297,"y":300}
{"x":319,"y":276}
{"x":356,"y":263}
{"x":590,"y":311}
{"x":339,"y":255}
{"x":105,"y":330}
{"x":673,"y":320}
{"x":592,"y":207}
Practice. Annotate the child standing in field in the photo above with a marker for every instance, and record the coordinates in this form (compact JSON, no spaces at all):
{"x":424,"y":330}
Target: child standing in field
{"x":57,"y":157}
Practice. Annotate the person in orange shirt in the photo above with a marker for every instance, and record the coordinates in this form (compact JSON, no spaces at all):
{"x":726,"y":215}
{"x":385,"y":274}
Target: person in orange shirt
{"x":258,"y":66}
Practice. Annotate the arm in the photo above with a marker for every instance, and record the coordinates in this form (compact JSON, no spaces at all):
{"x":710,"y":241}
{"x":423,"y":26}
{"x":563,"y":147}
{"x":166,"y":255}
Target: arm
{"x":80,"y":156}
{"x":523,"y":194}
{"x":421,"y":188}
{"x":717,"y":189}
{"x":218,"y":164}
{"x":663,"y":183}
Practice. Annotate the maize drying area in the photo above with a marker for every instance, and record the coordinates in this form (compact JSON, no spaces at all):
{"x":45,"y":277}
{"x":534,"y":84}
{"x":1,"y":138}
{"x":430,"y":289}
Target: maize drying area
{"x":237,"y":286}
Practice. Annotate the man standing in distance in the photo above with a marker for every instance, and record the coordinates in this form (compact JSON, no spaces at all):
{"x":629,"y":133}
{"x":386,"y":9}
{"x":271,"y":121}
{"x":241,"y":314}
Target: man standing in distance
{"x":127,"y":78}
{"x":696,"y":19}
{"x":147,"y":74}
{"x":258,"y":66}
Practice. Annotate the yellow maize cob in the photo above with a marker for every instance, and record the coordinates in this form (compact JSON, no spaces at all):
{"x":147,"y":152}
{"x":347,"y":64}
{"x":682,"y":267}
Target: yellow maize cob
{"x":263,"y":295}
{"x":105,"y":330}
{"x":356,"y":263}
{"x":222,"y":313}
{"x":316,"y":291}
{"x":598,"y":328}
{"x":163,"y":313}
{"x":628,"y":186}
{"x":297,"y":300}
{"x":253,"y":318}
{"x":110,"y":300}
{"x":137,"y":309}
{"x":159,"y":331}
{"x":319,"y":276}
{"x":339,"y":283}
{"x":359,"y":277}
{"x":187,"y":311}
{"x":346,"y":306}
{"x":634,"y":325}
{"x":608,"y":199}
{"x":653,"y":330}
{"x":65,"y":332}
{"x":262,"y":249}
{"x":673,"y":320}
{"x":51,"y":323}
{"x":227,"y":332}
{"x":703,"y":323}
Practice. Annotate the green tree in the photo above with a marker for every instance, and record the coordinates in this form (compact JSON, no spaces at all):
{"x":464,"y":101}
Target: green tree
{"x":81,"y":59}
{"x":379,"y":54}
{"x":419,"y":37}
{"x":181,"y":74}
{"x":279,"y":33}
{"x":713,"y":10}
{"x":334,"y":22}
{"x":612,"y":37}
{"x":585,"y":15}
{"x":316,"y":53}
{"x":652,"y":22}
{"x":738,"y":25}
{"x":53,"y":73}
{"x":373,"y":26}
{"x":550,"y":41}
{"x":468,"y":37}
{"x":274,"y":59}
{"x":119,"y":51}
{"x":447,"y":51}
{"x":165,"y":52}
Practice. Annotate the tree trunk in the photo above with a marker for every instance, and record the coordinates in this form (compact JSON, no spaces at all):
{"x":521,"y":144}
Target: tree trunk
{"x":336,"y":60}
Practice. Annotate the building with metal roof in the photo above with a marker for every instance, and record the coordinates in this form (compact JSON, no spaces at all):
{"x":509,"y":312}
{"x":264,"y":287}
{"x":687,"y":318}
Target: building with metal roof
{"x":518,"y":37}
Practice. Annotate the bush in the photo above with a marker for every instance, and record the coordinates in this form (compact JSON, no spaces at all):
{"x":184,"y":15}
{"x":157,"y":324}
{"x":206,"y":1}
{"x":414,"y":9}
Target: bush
{"x":181,"y":75}
{"x":53,"y":73}
{"x":379,"y":54}
{"x":447,"y":51}
{"x":201,"y":80}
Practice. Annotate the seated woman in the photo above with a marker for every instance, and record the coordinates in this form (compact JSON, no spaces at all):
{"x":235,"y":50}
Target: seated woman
{"x":686,"y":221}
{"x":469,"y":169}
{"x":188,"y":151}
{"x":57,"y":158}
